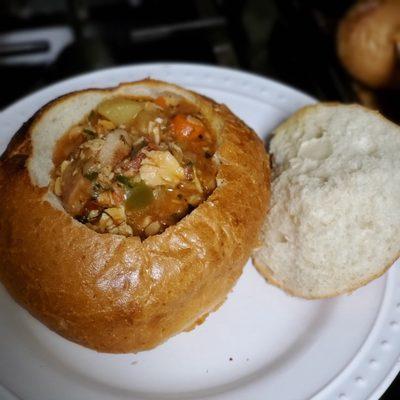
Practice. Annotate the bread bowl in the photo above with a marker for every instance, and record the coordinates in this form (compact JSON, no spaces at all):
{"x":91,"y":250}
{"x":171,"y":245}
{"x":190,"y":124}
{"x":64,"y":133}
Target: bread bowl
{"x":115,"y":287}
{"x":367,"y":42}
{"x":334,"y":219}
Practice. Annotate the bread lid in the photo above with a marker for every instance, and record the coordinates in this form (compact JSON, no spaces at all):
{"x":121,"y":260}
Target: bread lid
{"x":334,"y":218}
{"x":368,"y":42}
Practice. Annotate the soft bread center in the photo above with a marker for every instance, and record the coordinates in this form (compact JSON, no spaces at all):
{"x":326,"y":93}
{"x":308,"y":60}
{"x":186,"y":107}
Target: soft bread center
{"x":334,"y":222}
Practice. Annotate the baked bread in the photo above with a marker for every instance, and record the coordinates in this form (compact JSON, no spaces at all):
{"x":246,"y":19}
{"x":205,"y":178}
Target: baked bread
{"x":368,"y":42}
{"x":334,"y":221}
{"x":105,"y":286}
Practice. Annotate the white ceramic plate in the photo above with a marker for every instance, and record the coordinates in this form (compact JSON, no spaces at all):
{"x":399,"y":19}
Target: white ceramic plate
{"x":261,"y":344}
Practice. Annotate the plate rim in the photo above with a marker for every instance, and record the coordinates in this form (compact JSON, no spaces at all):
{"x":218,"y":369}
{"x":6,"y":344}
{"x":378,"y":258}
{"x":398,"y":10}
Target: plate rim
{"x":187,"y":65}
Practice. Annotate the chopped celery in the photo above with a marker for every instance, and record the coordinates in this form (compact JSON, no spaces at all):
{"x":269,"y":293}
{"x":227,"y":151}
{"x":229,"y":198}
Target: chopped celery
{"x":140,"y":196}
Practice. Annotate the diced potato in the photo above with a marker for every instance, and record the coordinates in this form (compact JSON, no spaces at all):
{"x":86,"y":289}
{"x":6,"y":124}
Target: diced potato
{"x":93,"y":214}
{"x":152,"y":228}
{"x":64,"y":166}
{"x":117,"y":214}
{"x":106,"y":222}
{"x":104,"y":125}
{"x":122,"y":229}
{"x":146,"y":221}
{"x":57,"y":187}
{"x":120,"y":110}
{"x":147,"y":116}
{"x":105,"y":198}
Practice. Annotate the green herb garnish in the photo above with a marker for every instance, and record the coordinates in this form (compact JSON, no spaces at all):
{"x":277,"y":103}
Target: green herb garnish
{"x":91,"y":176}
{"x":90,"y":134}
{"x":124,"y":180}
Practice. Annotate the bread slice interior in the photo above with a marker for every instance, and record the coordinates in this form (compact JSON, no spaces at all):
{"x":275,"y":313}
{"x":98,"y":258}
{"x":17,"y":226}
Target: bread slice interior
{"x":334,"y":219}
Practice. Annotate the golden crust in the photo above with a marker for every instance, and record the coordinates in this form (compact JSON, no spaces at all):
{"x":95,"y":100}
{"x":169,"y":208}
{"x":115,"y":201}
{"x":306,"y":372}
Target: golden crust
{"x":117,"y":294}
{"x":267,"y":274}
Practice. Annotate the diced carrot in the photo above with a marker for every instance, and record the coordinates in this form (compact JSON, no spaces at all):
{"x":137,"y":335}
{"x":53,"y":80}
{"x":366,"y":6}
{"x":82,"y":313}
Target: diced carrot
{"x":160,"y":101}
{"x":184,"y":129}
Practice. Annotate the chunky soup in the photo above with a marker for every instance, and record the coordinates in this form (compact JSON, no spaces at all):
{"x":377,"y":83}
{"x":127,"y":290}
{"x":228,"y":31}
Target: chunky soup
{"x":135,"y":166}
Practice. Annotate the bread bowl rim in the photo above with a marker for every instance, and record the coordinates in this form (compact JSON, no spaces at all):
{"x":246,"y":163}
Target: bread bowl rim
{"x":113,"y":91}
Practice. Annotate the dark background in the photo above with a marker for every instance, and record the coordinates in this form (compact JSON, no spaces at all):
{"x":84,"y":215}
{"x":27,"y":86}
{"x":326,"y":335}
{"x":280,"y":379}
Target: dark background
{"x":288,"y":40}
{"x":43,"y":41}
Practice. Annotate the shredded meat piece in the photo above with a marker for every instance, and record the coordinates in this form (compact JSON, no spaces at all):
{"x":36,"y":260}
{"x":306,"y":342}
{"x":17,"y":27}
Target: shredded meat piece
{"x":75,"y":191}
{"x":115,"y":148}
{"x":161,"y":168}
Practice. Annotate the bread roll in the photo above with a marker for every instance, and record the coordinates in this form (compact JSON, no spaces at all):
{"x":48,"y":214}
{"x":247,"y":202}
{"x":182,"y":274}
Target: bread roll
{"x":334,"y":221}
{"x":368,"y":42}
{"x":116,"y":292}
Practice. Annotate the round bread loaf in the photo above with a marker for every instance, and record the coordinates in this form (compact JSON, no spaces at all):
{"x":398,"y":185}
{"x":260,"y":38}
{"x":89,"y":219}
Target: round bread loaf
{"x":334,"y":221}
{"x":117,"y":293}
{"x":368,"y":42}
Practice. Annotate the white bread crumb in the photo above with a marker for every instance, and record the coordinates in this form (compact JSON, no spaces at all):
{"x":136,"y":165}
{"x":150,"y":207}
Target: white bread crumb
{"x":334,"y":220}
